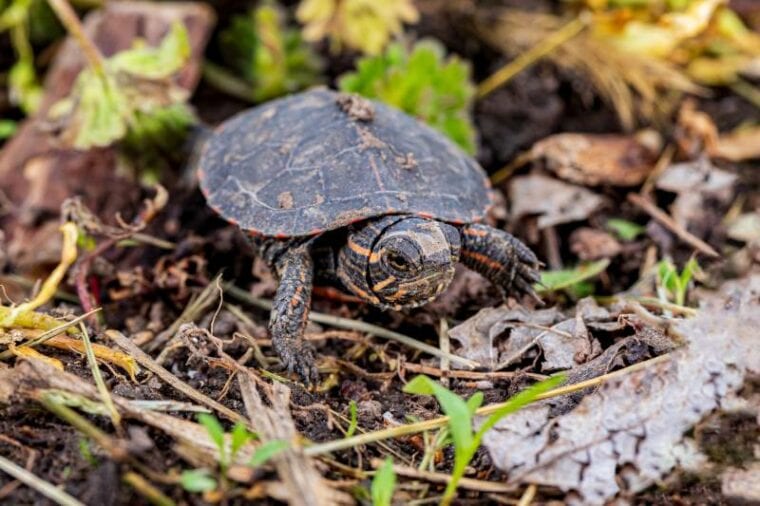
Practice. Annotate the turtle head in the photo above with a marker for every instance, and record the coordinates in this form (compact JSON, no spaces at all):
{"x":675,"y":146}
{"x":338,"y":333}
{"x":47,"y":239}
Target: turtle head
{"x":399,"y":261}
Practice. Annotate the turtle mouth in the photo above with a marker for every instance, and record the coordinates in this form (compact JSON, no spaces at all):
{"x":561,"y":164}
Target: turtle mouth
{"x":418,"y":292}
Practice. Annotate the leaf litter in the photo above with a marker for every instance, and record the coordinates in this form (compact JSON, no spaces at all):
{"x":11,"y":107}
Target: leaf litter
{"x":630,"y":433}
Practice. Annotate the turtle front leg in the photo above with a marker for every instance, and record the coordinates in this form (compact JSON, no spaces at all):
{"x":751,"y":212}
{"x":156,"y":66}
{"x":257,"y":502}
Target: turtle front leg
{"x":287,"y":321}
{"x":501,"y":258}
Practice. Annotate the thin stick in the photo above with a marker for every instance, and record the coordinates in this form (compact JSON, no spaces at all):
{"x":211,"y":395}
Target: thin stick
{"x":468,"y":483}
{"x":530,"y":56}
{"x":471,"y":375}
{"x":105,"y":395}
{"x":43,"y":487}
{"x":146,"y":361}
{"x":435,"y":423}
{"x":146,"y":489}
{"x":528,"y":495}
{"x":70,"y":20}
{"x":665,"y":219}
{"x":347,"y":323}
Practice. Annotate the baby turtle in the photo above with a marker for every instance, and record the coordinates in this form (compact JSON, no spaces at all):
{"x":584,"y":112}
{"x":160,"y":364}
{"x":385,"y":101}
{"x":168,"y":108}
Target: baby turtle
{"x":347,"y":191}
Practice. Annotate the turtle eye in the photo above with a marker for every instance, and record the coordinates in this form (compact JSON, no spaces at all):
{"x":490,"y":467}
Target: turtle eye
{"x":398,"y":262}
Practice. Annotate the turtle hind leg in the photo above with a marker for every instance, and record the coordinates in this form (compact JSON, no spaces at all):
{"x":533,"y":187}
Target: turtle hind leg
{"x":287,"y":321}
{"x":501,"y":258}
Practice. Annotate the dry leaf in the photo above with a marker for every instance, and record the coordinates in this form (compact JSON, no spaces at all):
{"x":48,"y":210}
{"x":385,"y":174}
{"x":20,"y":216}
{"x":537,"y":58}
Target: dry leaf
{"x":696,"y":183}
{"x":552,"y":200}
{"x":630,"y":433}
{"x":593,"y":244}
{"x":593,"y":159}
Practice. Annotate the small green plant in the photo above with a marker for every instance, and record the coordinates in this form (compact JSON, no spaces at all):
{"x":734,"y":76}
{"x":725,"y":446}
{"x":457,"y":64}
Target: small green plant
{"x":7,"y":128}
{"x":272,"y":60}
{"x":624,"y":229}
{"x":26,"y":21}
{"x":203,"y":480}
{"x":672,"y":286}
{"x":460,"y":413}
{"x":383,"y":484}
{"x":130,"y":94}
{"x":574,"y":281}
{"x":364,"y":25}
{"x":266,"y":451}
{"x":354,"y":421}
{"x":421,"y":82}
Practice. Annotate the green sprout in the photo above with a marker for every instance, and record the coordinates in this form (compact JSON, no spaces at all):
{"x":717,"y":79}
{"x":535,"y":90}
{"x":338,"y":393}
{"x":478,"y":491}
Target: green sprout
{"x":624,"y":229}
{"x":672,"y":286}
{"x":421,"y":82}
{"x":461,"y":412}
{"x":383,"y":484}
{"x":228,"y":446}
{"x":272,"y":60}
{"x":574,"y":281}
{"x":354,"y":422}
{"x":7,"y":128}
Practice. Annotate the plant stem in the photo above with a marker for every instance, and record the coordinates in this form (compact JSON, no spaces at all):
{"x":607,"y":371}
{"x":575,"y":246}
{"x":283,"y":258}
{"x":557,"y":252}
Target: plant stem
{"x":70,"y":20}
{"x":530,"y":56}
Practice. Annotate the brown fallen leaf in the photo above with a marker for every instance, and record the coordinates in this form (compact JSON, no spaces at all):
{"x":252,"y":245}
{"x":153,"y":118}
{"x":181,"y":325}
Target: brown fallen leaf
{"x":595,"y":159}
{"x":552,"y":200}
{"x":630,"y":433}
{"x":593,"y":244}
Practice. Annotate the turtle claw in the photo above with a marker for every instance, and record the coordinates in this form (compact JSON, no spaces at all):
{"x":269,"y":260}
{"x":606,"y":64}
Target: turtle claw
{"x":298,"y":357}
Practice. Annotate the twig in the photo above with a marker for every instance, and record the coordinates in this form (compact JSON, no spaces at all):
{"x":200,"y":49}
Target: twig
{"x":413,"y":428}
{"x":146,"y":489}
{"x":116,"y":448}
{"x":69,"y":19}
{"x":530,"y":56}
{"x":346,"y":323}
{"x":528,"y":495}
{"x":146,"y":361}
{"x":105,"y":395}
{"x":470,"y":375}
{"x":43,"y":487}
{"x":665,"y":219}
{"x":468,"y":483}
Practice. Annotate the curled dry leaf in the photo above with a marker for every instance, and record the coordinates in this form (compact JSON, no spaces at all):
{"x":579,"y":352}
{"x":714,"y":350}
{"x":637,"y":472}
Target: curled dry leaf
{"x":565,"y":342}
{"x":552,"y":200}
{"x":630,"y":433}
{"x":592,"y":159}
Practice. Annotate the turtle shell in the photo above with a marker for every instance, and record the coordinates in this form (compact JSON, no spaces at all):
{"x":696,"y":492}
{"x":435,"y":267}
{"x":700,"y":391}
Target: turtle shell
{"x":320,"y":160}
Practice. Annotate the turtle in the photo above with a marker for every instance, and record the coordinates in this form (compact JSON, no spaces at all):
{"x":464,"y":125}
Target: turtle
{"x":342,"y":190}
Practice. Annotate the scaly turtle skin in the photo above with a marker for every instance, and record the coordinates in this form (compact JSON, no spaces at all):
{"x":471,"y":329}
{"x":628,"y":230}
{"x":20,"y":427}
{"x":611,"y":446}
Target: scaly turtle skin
{"x":356,"y":194}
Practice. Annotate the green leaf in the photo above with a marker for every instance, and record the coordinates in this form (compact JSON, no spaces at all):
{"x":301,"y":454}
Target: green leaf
{"x":421,"y":82}
{"x":266,"y":451}
{"x":155,"y":62}
{"x":239,"y":437}
{"x":566,"y":278}
{"x":215,"y":432}
{"x":474,"y":402}
{"x":624,"y":229}
{"x":383,"y":484}
{"x":517,"y":402}
{"x":272,"y":59}
{"x":197,"y":480}
{"x":354,"y":422}
{"x":7,"y":128}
